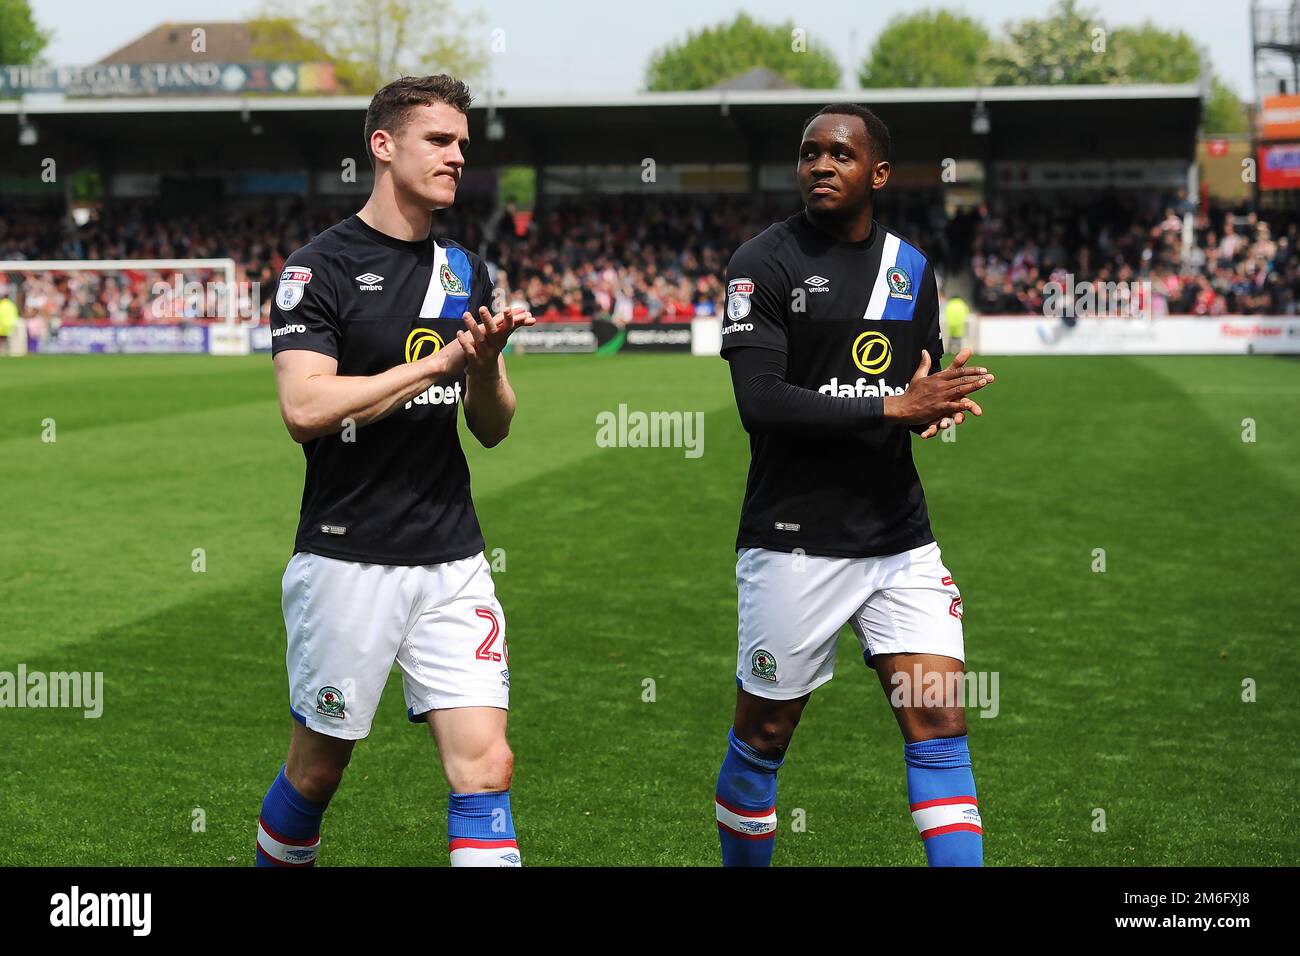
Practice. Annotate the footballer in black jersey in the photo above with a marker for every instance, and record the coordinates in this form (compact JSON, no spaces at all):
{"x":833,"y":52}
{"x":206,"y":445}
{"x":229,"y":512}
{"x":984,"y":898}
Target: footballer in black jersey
{"x":382,"y":332}
{"x":831,"y":332}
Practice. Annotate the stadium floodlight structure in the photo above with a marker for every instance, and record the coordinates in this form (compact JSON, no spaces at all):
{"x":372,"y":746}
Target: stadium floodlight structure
{"x":1275,"y":39}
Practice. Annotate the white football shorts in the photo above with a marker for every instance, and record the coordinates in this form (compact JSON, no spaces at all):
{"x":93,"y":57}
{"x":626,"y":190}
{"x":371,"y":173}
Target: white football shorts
{"x":792,"y":606}
{"x":349,"y":622}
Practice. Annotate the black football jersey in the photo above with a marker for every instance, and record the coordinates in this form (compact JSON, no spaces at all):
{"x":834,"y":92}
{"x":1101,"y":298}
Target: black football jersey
{"x":396,"y":491}
{"x":851,"y":319}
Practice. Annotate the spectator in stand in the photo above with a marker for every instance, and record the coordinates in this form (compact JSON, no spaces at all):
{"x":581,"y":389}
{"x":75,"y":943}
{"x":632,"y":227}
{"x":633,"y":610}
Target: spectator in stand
{"x":635,"y":258}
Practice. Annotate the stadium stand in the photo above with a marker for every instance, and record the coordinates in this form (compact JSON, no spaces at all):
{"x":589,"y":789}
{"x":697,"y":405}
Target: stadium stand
{"x":661,"y":258}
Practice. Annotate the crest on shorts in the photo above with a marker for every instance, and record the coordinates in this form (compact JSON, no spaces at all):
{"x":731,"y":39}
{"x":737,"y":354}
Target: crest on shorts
{"x":330,"y":703}
{"x":763,"y":665}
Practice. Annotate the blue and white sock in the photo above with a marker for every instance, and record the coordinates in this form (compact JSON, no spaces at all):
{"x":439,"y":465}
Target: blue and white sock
{"x":480,"y":830}
{"x":941,"y":791}
{"x":746,"y":804}
{"x":288,"y":831}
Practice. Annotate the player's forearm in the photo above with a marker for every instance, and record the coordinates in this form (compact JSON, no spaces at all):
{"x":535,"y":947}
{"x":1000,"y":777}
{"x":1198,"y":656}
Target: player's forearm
{"x":326,"y":403}
{"x":768,"y":403}
{"x":489,"y":406}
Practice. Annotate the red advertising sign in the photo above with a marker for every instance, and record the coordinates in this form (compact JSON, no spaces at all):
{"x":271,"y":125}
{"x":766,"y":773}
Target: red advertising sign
{"x":1279,"y":166}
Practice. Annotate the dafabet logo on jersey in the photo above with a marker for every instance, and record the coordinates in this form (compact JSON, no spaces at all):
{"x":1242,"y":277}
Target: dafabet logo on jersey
{"x":417,"y":342}
{"x":871,"y":353}
{"x":422,"y":343}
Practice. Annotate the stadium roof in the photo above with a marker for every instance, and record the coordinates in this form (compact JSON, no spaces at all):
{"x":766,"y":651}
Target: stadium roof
{"x":225,"y":41}
{"x":704,"y":126}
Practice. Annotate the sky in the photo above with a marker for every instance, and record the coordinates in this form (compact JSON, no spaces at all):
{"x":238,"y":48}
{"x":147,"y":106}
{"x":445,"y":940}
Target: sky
{"x":577,"y":47}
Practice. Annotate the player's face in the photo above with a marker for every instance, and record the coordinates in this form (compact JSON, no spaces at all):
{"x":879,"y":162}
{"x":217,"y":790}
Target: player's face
{"x":837,"y":169}
{"x":428,"y":155}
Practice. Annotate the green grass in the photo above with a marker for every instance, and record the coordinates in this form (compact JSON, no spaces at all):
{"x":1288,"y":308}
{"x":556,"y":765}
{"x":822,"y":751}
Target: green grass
{"x":1119,"y":690}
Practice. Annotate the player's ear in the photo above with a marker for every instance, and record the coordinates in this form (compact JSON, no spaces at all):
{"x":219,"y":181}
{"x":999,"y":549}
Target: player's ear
{"x":381,"y":145}
{"x":880,"y":174}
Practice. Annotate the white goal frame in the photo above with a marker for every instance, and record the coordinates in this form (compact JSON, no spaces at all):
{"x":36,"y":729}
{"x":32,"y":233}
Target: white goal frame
{"x":227,"y":266}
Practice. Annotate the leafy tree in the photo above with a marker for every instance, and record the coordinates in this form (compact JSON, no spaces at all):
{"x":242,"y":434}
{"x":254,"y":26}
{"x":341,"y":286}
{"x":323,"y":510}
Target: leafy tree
{"x":930,"y":48}
{"x":1149,"y":54}
{"x":1224,"y":112}
{"x":708,"y":56}
{"x":21,"y":40}
{"x":371,"y":42}
{"x":1060,"y":48}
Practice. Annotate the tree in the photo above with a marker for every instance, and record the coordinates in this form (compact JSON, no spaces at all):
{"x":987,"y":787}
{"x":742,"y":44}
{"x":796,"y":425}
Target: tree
{"x":370,"y":42}
{"x":1148,"y":54}
{"x":930,"y":48}
{"x":21,"y":40}
{"x":718,"y":53}
{"x":1060,"y":48}
{"x":1224,"y":111}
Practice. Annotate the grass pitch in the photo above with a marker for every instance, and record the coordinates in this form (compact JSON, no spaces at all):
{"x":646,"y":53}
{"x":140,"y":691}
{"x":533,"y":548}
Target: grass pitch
{"x":1118,"y":691}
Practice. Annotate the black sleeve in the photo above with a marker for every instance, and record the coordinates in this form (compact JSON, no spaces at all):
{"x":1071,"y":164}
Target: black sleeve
{"x":757,"y":295}
{"x":768,"y":403}
{"x":304,"y":312}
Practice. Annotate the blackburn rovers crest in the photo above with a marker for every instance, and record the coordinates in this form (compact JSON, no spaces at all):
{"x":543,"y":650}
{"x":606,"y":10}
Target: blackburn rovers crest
{"x":763,"y":665}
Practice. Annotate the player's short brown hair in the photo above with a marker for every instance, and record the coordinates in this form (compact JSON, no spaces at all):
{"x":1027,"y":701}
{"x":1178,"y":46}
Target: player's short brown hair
{"x":391,"y":107}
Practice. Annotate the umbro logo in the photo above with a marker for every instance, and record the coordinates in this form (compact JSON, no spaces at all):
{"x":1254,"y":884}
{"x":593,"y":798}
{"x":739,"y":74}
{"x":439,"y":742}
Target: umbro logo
{"x":818,"y":284}
{"x":369,"y":282}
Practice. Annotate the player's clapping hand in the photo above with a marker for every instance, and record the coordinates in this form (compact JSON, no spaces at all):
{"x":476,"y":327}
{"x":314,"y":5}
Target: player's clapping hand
{"x":940,"y":399}
{"x":484,"y":341}
{"x":949,"y":420}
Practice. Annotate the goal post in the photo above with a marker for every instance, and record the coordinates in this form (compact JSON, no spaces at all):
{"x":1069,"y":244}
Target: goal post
{"x":136,"y":301}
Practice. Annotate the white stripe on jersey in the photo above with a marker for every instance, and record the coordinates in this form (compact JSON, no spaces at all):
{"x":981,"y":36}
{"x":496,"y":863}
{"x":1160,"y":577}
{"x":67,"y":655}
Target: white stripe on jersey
{"x":435,"y":295}
{"x":880,"y":291}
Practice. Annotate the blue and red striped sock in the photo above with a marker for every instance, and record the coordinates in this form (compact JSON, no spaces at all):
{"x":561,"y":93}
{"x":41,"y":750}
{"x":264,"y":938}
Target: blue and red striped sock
{"x":941,"y":791}
{"x":745,"y":804}
{"x":288,"y":831}
{"x":480,"y":830}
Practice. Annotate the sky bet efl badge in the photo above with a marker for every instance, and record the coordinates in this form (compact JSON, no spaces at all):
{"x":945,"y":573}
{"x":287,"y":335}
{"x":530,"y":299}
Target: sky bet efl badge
{"x":293,"y":281}
{"x":738,"y":293}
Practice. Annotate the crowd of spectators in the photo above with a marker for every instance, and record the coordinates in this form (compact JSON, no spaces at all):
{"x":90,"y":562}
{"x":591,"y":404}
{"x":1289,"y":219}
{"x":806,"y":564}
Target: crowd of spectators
{"x":663,"y":258}
{"x":1165,"y":258}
